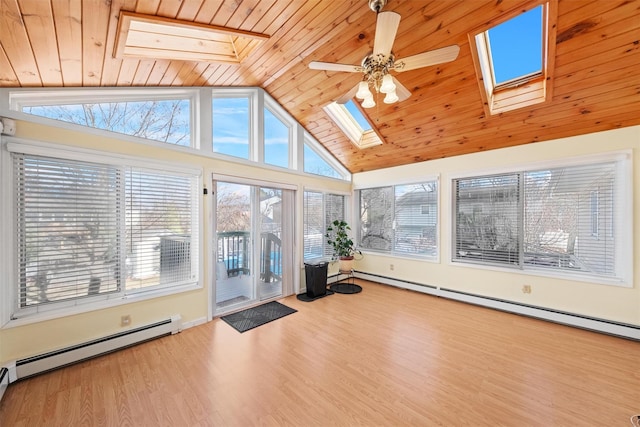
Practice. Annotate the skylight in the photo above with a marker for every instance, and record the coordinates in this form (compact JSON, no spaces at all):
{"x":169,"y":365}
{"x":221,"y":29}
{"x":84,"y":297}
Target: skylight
{"x":514,"y":56}
{"x":516,"y":47}
{"x":353,"y":124}
{"x":357,"y":115}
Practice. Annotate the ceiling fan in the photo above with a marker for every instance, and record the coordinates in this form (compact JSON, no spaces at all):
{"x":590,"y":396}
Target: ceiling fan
{"x":377,"y":65}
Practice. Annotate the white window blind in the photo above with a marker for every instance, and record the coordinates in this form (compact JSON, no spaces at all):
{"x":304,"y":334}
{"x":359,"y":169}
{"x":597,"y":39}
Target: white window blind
{"x":319,"y":211}
{"x":333,"y":210}
{"x":160,"y":234}
{"x":487,"y":219}
{"x":313,"y":225}
{"x":569,"y":218}
{"x":556,"y":219}
{"x":68,"y":221}
{"x":87,"y":229}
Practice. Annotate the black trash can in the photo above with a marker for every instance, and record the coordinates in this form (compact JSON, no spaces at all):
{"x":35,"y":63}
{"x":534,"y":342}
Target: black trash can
{"x":316,"y":276}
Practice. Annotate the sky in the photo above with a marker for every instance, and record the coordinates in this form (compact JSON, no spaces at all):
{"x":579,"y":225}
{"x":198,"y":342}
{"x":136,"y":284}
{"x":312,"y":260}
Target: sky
{"x":516,"y":46}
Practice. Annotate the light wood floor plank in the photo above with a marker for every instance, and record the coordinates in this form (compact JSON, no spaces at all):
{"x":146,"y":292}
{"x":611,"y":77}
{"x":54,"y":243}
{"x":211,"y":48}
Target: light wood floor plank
{"x":386,"y":356}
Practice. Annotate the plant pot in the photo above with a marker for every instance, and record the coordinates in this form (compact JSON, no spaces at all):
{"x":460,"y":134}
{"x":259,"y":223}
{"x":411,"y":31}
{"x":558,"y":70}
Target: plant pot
{"x":345,"y":263}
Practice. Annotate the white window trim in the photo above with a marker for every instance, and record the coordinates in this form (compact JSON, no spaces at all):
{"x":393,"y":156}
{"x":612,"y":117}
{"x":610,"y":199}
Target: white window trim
{"x":350,"y":127}
{"x":347,"y":213}
{"x":438,"y":211}
{"x":523,"y":91}
{"x":62,"y":309}
{"x":624,"y":240}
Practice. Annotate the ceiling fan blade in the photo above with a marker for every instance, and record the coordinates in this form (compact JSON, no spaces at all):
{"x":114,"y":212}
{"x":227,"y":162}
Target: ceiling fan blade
{"x":386,"y":29}
{"x":348,"y":96}
{"x":332,"y":66}
{"x":425,"y":59}
{"x":402,"y":92}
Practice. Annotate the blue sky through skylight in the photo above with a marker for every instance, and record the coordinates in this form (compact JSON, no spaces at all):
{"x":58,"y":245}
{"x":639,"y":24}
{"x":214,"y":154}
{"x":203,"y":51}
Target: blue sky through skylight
{"x":357,"y":114}
{"x":516,"y":46}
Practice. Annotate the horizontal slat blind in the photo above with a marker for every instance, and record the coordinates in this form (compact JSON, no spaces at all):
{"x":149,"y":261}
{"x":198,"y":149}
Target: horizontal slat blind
{"x":313,"y":225}
{"x":569,"y":218}
{"x":487,"y":219}
{"x":333,"y":210}
{"x":160,"y":236}
{"x":67,"y":228}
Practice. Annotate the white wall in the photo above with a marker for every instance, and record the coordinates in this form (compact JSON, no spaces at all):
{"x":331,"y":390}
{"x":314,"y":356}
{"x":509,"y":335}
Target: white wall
{"x":616,"y":303}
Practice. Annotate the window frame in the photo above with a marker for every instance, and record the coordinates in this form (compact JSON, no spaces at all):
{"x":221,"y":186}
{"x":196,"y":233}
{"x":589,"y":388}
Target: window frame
{"x":526,"y":90}
{"x":326,"y":249}
{"x":50,"y":96}
{"x":393,"y":251}
{"x":10,"y":313}
{"x":623,"y":192}
{"x":349,"y":126}
{"x":278,"y":112}
{"x":317,"y":148}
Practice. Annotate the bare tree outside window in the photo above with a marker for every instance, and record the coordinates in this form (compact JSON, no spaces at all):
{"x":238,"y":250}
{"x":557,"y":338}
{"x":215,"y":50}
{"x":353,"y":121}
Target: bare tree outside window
{"x":164,"y":120}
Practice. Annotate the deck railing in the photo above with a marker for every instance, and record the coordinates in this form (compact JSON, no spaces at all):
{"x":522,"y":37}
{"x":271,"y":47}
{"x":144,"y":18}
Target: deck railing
{"x":233,"y":250}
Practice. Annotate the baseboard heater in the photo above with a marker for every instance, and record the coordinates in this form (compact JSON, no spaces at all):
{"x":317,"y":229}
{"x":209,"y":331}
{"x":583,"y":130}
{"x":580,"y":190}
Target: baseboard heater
{"x":57,"y":359}
{"x":619,"y":329}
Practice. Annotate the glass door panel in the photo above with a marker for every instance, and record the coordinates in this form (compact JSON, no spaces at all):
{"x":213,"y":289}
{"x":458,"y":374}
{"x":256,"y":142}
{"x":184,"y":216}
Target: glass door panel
{"x":270,"y":256}
{"x":234,"y":272}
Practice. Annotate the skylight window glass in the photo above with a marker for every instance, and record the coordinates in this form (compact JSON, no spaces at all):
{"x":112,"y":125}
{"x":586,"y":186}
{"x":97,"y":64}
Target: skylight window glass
{"x":516,"y":46}
{"x":357,"y":115}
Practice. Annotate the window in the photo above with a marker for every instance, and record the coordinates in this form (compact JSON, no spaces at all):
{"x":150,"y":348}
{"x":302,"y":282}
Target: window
{"x":315,"y":164}
{"x":231,"y":125}
{"x":401,"y":219}
{"x":515,"y":55}
{"x":353,"y":124}
{"x":276,"y":140}
{"x":88,"y":230}
{"x":156,"y":115}
{"x":320,"y":209}
{"x":568,"y":219}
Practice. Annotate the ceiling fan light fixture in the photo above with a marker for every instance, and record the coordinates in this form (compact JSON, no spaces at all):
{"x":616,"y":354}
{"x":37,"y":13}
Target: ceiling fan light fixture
{"x":387,"y":85}
{"x":368,"y":102}
{"x":391,"y":97}
{"x":363,"y":90}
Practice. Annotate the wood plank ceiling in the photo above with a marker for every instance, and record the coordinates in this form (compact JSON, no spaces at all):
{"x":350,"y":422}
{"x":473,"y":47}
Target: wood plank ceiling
{"x":596,"y":77}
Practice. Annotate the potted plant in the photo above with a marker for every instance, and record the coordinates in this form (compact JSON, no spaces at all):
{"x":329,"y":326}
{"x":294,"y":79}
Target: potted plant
{"x":343,"y":249}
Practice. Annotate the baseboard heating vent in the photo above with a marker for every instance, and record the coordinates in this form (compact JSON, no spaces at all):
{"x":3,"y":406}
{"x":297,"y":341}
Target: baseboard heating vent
{"x":4,"y":381}
{"x":56,"y":359}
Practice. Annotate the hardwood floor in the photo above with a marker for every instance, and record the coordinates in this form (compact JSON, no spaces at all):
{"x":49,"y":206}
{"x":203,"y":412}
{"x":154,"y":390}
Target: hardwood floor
{"x":385,"y":356}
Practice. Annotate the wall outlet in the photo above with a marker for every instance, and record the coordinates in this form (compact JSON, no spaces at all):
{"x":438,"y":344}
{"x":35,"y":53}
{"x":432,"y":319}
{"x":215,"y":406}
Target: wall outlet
{"x":526,"y":289}
{"x":391,"y":267}
{"x":125,"y":320}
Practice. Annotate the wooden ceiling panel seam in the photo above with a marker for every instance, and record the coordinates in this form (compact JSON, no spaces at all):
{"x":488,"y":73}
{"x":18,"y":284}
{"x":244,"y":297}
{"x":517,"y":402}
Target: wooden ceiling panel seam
{"x":291,"y":39}
{"x":40,"y":27}
{"x":17,"y":46}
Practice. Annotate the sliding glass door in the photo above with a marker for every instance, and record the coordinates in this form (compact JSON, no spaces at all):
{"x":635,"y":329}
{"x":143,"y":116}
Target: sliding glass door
{"x":254,"y":226}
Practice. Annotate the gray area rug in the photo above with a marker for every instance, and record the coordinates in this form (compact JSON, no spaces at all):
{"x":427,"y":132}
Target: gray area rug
{"x":250,"y":318}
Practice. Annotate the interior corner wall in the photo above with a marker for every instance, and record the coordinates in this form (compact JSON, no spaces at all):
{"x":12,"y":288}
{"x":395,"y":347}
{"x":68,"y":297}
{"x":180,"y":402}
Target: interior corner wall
{"x":620,"y":304}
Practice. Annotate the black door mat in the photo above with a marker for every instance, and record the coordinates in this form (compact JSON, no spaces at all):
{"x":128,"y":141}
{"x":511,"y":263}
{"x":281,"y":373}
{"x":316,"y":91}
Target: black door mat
{"x":250,"y":318}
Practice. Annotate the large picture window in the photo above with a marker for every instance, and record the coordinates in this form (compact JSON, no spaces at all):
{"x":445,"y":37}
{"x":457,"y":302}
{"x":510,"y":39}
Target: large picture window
{"x":568,"y":218}
{"x":401,"y":219}
{"x":88,"y":230}
{"x":163,"y":116}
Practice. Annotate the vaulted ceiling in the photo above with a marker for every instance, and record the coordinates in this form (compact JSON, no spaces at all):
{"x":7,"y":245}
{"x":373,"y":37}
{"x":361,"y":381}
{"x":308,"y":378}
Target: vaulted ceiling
{"x":595,"y":84}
